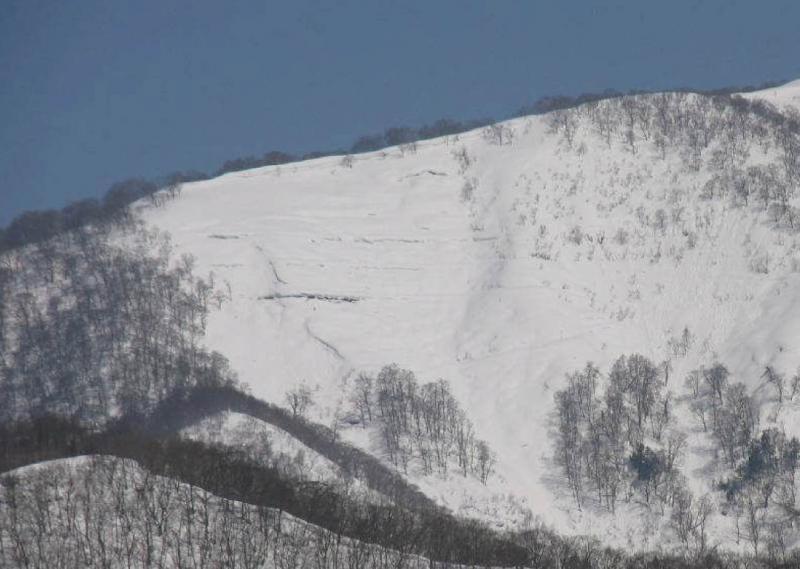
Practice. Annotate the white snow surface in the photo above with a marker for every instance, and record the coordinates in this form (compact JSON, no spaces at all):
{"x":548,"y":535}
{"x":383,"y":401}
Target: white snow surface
{"x":786,"y":95}
{"x":494,"y":292}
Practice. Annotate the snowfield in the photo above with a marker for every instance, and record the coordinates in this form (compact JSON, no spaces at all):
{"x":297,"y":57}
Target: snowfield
{"x":498,"y":268}
{"x":786,"y":95}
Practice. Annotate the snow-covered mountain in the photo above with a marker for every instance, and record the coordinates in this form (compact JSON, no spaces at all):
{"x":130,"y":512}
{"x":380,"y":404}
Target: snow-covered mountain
{"x":500,"y":260}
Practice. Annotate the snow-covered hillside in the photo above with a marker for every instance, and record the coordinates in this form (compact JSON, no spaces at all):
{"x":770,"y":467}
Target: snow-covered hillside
{"x":787,"y":95}
{"x":272,"y":446}
{"x":102,"y":511}
{"x":498,"y":264}
{"x":266,"y":444}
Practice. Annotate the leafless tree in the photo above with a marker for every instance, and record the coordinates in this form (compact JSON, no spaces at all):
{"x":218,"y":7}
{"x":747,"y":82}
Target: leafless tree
{"x":299,"y":400}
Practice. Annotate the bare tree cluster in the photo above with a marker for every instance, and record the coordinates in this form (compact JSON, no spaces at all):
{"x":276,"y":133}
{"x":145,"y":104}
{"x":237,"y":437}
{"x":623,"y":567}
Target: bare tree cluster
{"x":499,"y":134}
{"x":719,"y":131}
{"x":421,"y":425}
{"x":107,"y":512}
{"x":98,"y":322}
{"x":680,"y":346}
{"x":785,"y":388}
{"x":463,"y":159}
{"x":299,"y":399}
{"x":689,"y":518}
{"x":603,"y":435}
{"x":33,"y":227}
{"x":724,"y":408}
{"x":762,"y":492}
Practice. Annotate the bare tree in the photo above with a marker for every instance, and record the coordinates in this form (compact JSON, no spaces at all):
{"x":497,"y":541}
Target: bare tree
{"x":463,"y":158}
{"x":498,"y":133}
{"x":299,"y":400}
{"x":776,"y":380}
{"x":362,"y":397}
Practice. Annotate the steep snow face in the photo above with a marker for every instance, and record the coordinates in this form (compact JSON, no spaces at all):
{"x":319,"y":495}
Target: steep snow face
{"x":498,"y":267}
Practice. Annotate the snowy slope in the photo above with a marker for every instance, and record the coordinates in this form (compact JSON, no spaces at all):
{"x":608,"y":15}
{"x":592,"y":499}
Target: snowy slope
{"x":787,"y":95}
{"x":552,"y":260}
{"x":272,"y":446}
{"x":265,"y":443}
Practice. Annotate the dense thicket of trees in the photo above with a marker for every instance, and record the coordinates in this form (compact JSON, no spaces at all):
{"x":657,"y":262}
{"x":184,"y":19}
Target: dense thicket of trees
{"x":99,"y":321}
{"x":421,"y":426}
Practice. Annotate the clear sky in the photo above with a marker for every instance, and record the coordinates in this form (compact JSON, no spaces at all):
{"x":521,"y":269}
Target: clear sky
{"x":93,"y":91}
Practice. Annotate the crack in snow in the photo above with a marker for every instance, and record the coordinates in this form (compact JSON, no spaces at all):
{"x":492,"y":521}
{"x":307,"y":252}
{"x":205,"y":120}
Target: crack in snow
{"x":311,"y":296}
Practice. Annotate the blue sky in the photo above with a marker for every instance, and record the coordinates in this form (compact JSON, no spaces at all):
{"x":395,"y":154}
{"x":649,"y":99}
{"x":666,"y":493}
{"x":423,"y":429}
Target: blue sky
{"x":94,"y":91}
